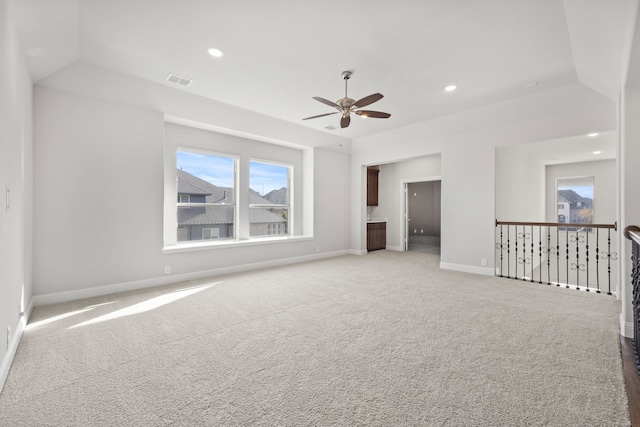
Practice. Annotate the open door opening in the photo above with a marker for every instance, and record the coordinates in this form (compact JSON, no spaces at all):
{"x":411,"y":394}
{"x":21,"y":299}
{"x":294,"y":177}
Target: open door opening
{"x":422,"y":208}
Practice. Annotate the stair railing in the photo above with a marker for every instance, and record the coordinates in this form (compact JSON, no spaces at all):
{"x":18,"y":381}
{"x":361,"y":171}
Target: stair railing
{"x":578,"y":256}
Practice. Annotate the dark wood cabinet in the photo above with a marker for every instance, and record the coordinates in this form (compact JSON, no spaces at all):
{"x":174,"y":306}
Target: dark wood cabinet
{"x":376,"y":236}
{"x":372,"y":186}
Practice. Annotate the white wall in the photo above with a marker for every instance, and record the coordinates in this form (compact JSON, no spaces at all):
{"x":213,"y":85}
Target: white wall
{"x":630,"y":194}
{"x":520,"y":188}
{"x":15,"y":175}
{"x":99,"y":191}
{"x":467,"y":143}
{"x":604,"y":191}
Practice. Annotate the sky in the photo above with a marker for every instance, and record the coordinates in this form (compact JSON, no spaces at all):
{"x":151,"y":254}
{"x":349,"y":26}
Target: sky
{"x":583,"y":190}
{"x":218,"y":171}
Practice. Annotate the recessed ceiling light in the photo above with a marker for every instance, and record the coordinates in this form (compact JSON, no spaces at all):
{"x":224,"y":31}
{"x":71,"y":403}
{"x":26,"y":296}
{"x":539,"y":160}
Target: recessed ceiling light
{"x":451,"y":88}
{"x":216,"y":53}
{"x":597,"y":152}
{"x":591,"y":135}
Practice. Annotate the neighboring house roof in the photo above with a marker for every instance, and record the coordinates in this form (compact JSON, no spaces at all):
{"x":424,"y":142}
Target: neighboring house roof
{"x":205,"y":215}
{"x":260,"y":215}
{"x":573,"y":197}
{"x":278,"y":197}
{"x":210,"y":215}
{"x":191,"y":184}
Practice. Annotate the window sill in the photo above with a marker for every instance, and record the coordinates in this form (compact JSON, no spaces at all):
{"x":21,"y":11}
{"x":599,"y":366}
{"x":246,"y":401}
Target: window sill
{"x":225,"y":244}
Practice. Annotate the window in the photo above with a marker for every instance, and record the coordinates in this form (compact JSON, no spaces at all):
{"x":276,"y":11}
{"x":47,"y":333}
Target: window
{"x":269,"y":206}
{"x":210,"y":233}
{"x":206,"y":202}
{"x":575,"y":200}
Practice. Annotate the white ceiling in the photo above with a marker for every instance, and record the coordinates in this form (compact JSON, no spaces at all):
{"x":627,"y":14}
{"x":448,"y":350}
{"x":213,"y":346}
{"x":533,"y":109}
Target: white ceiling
{"x":281,"y":53}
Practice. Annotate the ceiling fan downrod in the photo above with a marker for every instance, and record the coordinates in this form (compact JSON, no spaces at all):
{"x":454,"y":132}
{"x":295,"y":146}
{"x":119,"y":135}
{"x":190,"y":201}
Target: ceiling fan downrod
{"x":346,"y":75}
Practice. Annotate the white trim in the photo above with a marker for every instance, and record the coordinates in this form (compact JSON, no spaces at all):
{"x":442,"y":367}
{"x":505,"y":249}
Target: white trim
{"x":485,"y":271}
{"x":7,"y":359}
{"x":358,"y":252}
{"x":395,"y":248}
{"x":626,"y":328}
{"x":65,"y":296}
{"x":404,"y":209}
{"x":201,"y":245}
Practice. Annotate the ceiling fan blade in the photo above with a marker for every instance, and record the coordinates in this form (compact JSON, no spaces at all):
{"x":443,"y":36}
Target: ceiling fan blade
{"x":344,"y":122}
{"x":326,"y":101}
{"x":368,"y":100}
{"x":320,"y":115}
{"x":374,"y":114}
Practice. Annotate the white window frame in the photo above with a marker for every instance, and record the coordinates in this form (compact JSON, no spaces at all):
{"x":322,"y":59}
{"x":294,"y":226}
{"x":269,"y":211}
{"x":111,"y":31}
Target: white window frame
{"x":235,"y":160}
{"x":184,"y":134}
{"x":585,"y":178}
{"x":288,"y":206}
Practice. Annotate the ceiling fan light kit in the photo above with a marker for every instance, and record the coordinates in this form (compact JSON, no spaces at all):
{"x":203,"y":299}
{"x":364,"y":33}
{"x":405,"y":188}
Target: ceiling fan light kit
{"x":346,"y":105}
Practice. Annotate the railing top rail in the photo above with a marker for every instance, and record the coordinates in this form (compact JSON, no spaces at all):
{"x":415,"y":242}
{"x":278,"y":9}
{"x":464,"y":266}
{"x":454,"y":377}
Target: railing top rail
{"x":632,"y":232}
{"x":563,"y":224}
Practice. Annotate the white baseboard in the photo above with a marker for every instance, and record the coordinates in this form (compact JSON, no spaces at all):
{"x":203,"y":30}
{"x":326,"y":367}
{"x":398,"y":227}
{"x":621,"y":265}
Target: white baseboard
{"x":394,"y":248}
{"x":485,"y":271}
{"x":65,"y":296}
{"x":626,"y":328}
{"x":357,"y":251}
{"x":7,"y":360}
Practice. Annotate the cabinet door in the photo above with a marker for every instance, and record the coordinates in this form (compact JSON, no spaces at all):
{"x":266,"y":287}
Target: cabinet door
{"x":372,"y":187}
{"x":383,"y":235}
{"x":373,"y":236}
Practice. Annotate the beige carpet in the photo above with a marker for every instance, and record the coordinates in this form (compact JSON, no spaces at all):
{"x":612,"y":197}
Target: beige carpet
{"x":378,"y":340}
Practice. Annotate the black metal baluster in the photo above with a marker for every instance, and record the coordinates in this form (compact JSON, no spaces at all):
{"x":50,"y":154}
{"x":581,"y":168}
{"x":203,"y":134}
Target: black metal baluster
{"x":548,"y":255}
{"x":540,"y":253}
{"x":577,"y":260}
{"x":557,"y":256}
{"x":587,"y":257}
{"x":531,"y":229}
{"x":609,"y":258}
{"x":509,"y":251}
{"x":501,"y":250}
{"x":516,"y":273}
{"x":598,"y":260}
{"x":566,"y":232}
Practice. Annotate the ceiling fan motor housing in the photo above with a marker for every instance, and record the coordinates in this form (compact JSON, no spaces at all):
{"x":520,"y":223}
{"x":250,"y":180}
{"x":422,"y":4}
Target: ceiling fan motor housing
{"x":345,"y":103}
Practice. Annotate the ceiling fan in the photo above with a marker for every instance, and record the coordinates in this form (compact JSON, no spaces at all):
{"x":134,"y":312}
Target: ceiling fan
{"x":346,"y":105}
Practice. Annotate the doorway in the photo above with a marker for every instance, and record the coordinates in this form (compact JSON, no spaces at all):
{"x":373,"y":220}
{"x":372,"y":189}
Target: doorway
{"x":423,"y":215}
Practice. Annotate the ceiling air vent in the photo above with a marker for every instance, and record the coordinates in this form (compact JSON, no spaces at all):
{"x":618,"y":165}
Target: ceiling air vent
{"x":179,"y":80}
{"x":330,"y":127}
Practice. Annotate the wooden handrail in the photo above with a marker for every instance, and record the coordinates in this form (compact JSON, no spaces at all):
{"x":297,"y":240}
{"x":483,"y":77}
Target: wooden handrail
{"x":632,"y":232}
{"x":561,"y":224}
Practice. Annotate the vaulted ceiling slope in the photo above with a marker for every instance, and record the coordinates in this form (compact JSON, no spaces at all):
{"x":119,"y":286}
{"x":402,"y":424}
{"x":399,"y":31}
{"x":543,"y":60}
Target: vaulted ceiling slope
{"x":279,"y":54}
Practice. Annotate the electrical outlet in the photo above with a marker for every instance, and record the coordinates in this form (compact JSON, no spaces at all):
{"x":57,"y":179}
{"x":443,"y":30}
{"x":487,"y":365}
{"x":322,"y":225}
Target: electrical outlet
{"x":484,"y":262}
{"x":8,"y":336}
{"x":167,"y":269}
